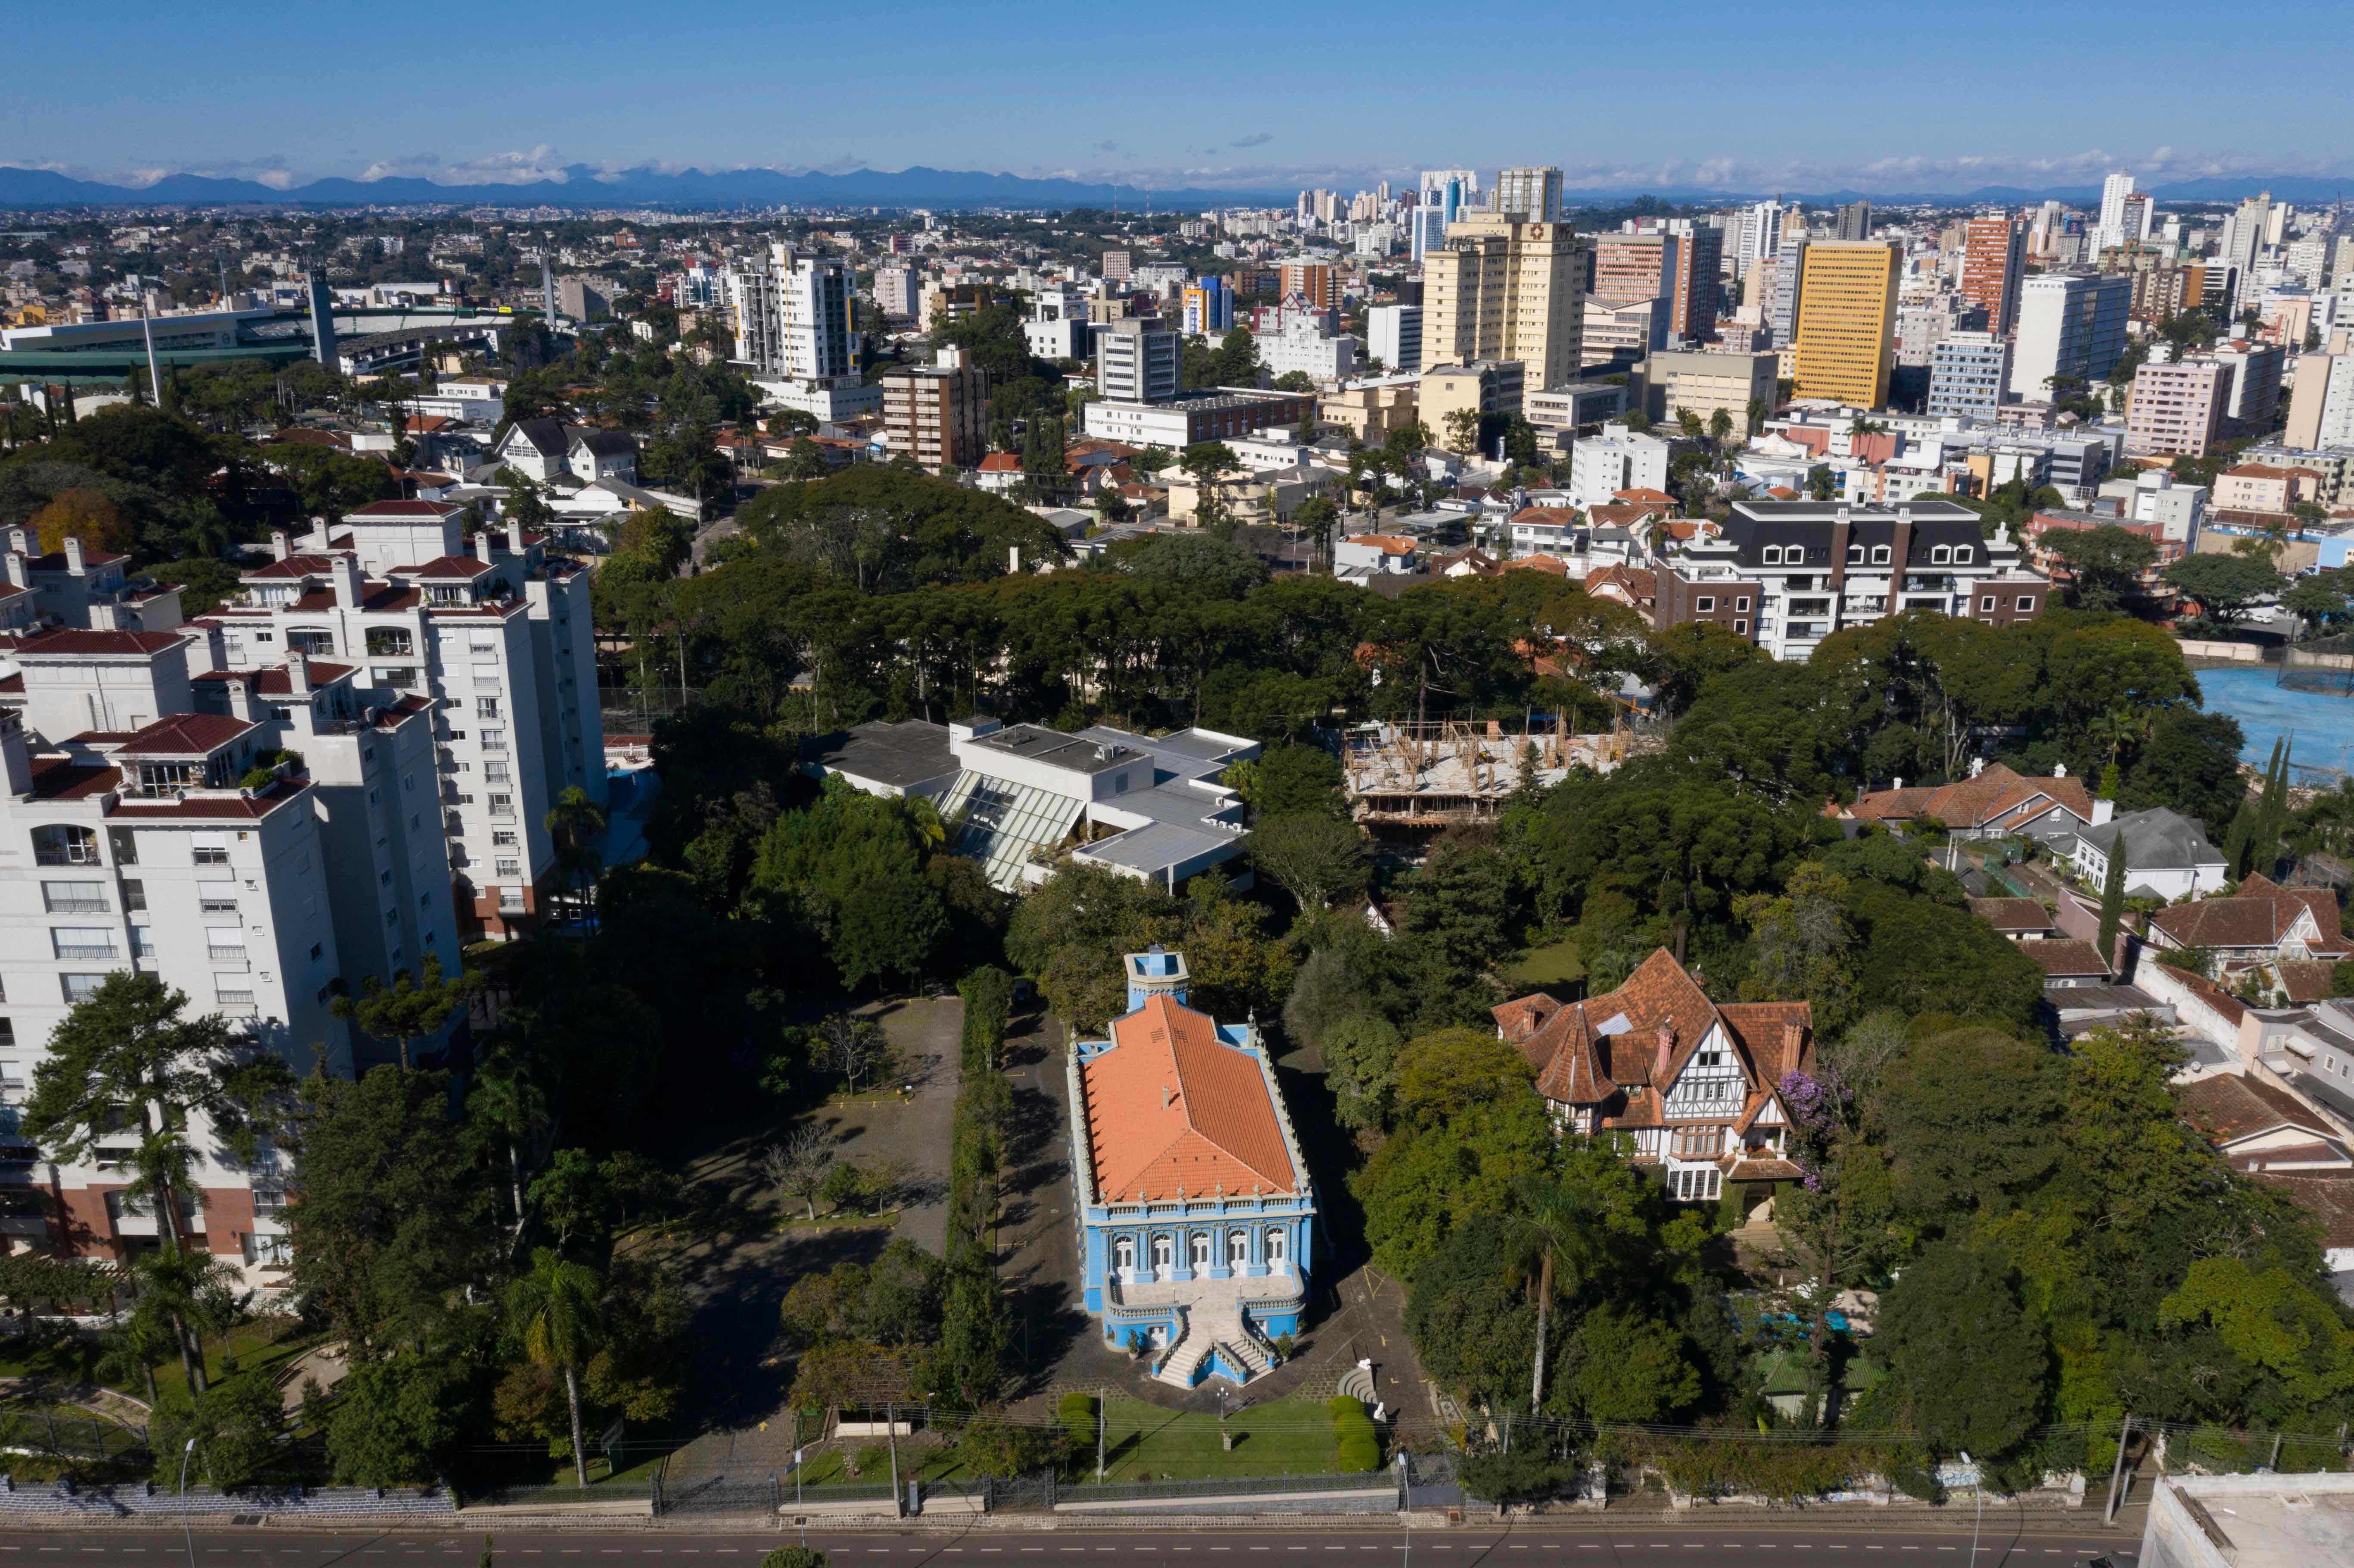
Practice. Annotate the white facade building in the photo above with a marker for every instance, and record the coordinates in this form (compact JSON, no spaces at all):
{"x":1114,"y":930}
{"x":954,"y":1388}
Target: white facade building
{"x":1394,"y":336}
{"x":1618,"y":459}
{"x":2071,"y":325}
{"x":1306,"y":345}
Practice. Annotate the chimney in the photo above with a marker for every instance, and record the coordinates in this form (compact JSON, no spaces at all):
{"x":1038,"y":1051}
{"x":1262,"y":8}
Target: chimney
{"x":73,"y":555}
{"x":515,"y":540}
{"x":1164,"y":1096}
{"x":297,"y":674}
{"x":21,"y":541}
{"x":278,"y":549}
{"x":1667,"y":1048}
{"x":348,"y":582}
{"x":19,"y":577}
{"x":1014,"y":560}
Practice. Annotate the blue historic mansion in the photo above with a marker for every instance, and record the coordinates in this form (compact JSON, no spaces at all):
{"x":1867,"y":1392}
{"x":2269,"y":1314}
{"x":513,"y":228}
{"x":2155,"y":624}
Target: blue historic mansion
{"x":1195,"y":1210}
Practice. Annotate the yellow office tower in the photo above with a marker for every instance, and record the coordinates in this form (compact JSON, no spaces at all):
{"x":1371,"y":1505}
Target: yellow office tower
{"x":1846,"y":322}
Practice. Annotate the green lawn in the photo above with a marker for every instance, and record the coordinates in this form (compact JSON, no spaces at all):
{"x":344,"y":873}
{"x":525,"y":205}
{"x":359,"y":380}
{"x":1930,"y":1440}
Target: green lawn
{"x":1287,"y":1436}
{"x":1555,"y":963}
{"x":260,"y":1348}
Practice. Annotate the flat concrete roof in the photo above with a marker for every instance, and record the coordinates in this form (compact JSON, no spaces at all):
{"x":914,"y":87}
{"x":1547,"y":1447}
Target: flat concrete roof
{"x":901,"y":755}
{"x":1089,"y":753}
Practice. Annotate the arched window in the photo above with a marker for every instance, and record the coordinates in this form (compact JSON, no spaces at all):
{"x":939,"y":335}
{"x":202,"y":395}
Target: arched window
{"x":1279,"y":1245}
{"x":64,"y":843}
{"x":1164,"y":1252}
{"x":1123,"y":1252}
{"x":1964,"y":555}
{"x":1237,"y":1248}
{"x":1201,"y":1249}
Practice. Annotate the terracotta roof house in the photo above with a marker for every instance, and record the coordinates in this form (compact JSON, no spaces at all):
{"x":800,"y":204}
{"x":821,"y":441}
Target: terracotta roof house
{"x":1637,"y":587}
{"x":2260,"y":1126}
{"x":2017,"y":918}
{"x":2068,"y":961}
{"x":1995,"y":803}
{"x":1695,"y":1084}
{"x":2262,"y":923}
{"x":1196,"y":1211}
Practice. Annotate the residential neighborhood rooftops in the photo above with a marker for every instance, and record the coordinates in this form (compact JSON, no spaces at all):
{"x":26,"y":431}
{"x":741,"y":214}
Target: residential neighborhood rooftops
{"x":2009,"y":915}
{"x":2066,"y":958}
{"x":2261,"y":915}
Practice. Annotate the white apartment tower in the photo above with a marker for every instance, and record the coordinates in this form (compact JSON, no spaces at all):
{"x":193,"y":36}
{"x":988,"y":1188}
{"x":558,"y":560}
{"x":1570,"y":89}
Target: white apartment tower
{"x":2112,"y":225}
{"x":793,"y":317}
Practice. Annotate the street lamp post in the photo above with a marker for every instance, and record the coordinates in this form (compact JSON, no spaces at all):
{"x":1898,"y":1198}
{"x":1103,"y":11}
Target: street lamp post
{"x":188,"y":1538}
{"x":1977,"y":1485}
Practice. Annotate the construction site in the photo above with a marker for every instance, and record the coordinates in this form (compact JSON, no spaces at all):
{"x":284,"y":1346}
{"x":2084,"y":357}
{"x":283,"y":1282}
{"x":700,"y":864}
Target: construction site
{"x":1429,"y":776}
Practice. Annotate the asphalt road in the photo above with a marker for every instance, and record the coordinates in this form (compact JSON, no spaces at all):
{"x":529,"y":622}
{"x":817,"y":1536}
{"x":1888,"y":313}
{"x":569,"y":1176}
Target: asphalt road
{"x":1527,"y":1547}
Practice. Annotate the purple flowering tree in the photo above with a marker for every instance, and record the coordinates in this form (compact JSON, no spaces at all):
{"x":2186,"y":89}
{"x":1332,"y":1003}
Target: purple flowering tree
{"x":1836,"y":1217}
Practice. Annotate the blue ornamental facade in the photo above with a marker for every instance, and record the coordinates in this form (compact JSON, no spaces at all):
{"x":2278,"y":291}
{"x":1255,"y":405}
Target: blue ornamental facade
{"x":1195,"y":1211}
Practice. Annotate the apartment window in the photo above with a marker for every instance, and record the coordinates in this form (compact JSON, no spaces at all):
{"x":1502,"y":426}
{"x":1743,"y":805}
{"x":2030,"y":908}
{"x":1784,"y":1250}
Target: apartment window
{"x":125,"y":844}
{"x":269,"y":1199}
{"x":89,"y":942}
{"x":216,"y":897}
{"x":226,"y":943}
{"x":1704,"y":605}
{"x":209,"y":849}
{"x":63,"y":843}
{"x":502,"y":839}
{"x":1964,"y":555}
{"x":509,"y":868}
{"x":80,"y":988}
{"x":2026,"y":602}
{"x":232,"y":991}
{"x":455,"y":735}
{"x":1987,"y":603}
{"x":74,"y":898}
{"x":483,"y":642}
{"x":1940,"y":556}
{"x":134,"y":896}
{"x":142,"y":941}
{"x":390,"y":643}
{"x":1773,"y":555}
{"x":496,"y":773}
{"x":12,"y":1074}
{"x":1855,"y":555}
{"x":1741,"y":627}
{"x":271,"y":1252}
{"x":502,"y":805}
{"x":494,"y":740}
{"x":1741,"y":603}
{"x":1696,"y":1183}
{"x":1880,"y":555}
{"x":304,"y":640}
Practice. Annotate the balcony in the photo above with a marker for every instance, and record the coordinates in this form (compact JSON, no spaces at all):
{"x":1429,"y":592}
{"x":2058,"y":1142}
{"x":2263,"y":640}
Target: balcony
{"x":88,"y":953}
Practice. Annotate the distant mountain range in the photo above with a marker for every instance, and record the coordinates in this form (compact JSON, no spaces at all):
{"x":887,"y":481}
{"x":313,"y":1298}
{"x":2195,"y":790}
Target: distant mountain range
{"x":696,"y":190}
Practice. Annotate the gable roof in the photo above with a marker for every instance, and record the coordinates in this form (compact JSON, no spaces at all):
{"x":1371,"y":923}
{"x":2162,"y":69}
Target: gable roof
{"x":2012,"y":914}
{"x":2066,"y":956}
{"x":2227,"y":1108}
{"x":1583,"y":1052}
{"x":545,"y":436}
{"x":183,"y":734}
{"x":1170,"y":1105}
{"x":603,"y":442}
{"x":2157,"y":839}
{"x":2261,"y":915}
{"x":1998,"y":796}
{"x":68,"y":639}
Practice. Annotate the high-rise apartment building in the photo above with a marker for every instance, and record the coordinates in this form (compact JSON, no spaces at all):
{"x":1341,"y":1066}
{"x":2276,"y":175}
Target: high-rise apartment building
{"x":1739,"y":384}
{"x":2321,"y":409}
{"x":937,"y":414}
{"x":1394,"y":336}
{"x":1779,"y":307}
{"x":793,"y":317}
{"x":1699,"y":279}
{"x":1312,"y":281}
{"x":1117,"y":265}
{"x":2245,"y":238}
{"x":1760,"y":235}
{"x":1967,"y":374}
{"x":1631,"y":266}
{"x":2176,"y":410}
{"x":1853,"y":221}
{"x":1505,"y":290}
{"x":2072,"y":327}
{"x":2252,"y":397}
{"x":1991,"y":256}
{"x":1444,"y":197}
{"x":1137,"y":360}
{"x":2111,"y":226}
{"x":1208,"y":306}
{"x":1530,"y":194}
{"x":1846,"y":341}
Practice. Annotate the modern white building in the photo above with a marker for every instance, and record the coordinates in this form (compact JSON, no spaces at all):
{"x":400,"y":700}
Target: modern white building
{"x":793,"y":320}
{"x":1967,"y":374}
{"x":1137,"y":360}
{"x":895,"y":291}
{"x":1394,"y":336}
{"x":1618,"y":459}
{"x":478,"y":399}
{"x":1308,"y":346}
{"x":1153,"y":807}
{"x":494,"y":633}
{"x":2072,"y":325}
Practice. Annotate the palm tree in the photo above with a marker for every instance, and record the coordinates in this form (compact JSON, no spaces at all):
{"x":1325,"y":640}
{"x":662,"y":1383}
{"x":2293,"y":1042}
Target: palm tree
{"x":555,"y":1305}
{"x":574,"y":822}
{"x":1561,"y":1224}
{"x":511,"y":1105}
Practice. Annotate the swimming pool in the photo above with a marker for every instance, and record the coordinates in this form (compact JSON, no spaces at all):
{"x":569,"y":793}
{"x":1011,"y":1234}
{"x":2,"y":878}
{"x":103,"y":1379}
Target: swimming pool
{"x":2320,"y":727}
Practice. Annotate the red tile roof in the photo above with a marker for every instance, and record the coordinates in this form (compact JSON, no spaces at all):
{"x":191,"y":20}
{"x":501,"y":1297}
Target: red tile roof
{"x":2228,"y":1107}
{"x":73,"y":641}
{"x":2066,"y":956}
{"x":445,"y":567}
{"x":2261,"y":915}
{"x":2328,"y":1198}
{"x":2012,"y":914}
{"x":55,"y":561}
{"x":292,"y":566}
{"x":276,"y":680}
{"x":395,"y":510}
{"x":183,"y":734}
{"x":215,"y":808}
{"x":1169,"y":1105}
{"x":56,"y":779}
{"x":1997,"y":796}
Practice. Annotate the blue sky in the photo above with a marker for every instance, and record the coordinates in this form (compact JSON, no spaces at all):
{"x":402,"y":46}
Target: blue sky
{"x":1805,"y":97}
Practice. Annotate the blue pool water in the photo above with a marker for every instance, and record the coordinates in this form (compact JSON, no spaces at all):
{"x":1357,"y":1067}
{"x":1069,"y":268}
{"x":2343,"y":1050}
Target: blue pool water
{"x":2320,"y":727}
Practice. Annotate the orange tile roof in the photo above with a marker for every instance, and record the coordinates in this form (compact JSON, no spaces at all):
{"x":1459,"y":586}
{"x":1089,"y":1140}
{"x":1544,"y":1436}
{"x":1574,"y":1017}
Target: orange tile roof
{"x":2227,"y":1107}
{"x":1170,"y":1106}
{"x":1996,"y":794}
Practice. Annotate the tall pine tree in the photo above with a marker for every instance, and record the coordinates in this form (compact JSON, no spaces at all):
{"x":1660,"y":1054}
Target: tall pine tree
{"x":2112,"y":901}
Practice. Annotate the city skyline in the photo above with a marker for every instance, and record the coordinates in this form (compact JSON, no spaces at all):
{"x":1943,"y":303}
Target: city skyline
{"x":1826,"y":107}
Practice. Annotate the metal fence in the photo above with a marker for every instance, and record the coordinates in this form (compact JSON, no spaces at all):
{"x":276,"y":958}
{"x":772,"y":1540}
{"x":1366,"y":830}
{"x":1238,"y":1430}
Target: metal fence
{"x":2321,"y":664}
{"x":69,"y":1432}
{"x":1220,"y":1486}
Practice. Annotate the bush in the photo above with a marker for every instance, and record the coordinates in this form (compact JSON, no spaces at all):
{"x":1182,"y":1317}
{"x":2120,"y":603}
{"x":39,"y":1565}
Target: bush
{"x":1524,"y":1477}
{"x":235,"y":1424}
{"x":793,"y":1557}
{"x":1360,"y":1446}
{"x":1078,"y":1413}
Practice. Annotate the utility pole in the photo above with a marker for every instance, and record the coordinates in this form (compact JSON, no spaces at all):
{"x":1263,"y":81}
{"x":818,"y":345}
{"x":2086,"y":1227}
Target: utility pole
{"x":2117,"y":1471}
{"x":1102,"y":1417}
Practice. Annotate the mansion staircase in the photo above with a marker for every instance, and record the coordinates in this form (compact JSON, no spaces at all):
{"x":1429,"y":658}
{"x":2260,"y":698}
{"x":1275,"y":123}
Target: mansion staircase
{"x":1212,"y":1327}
